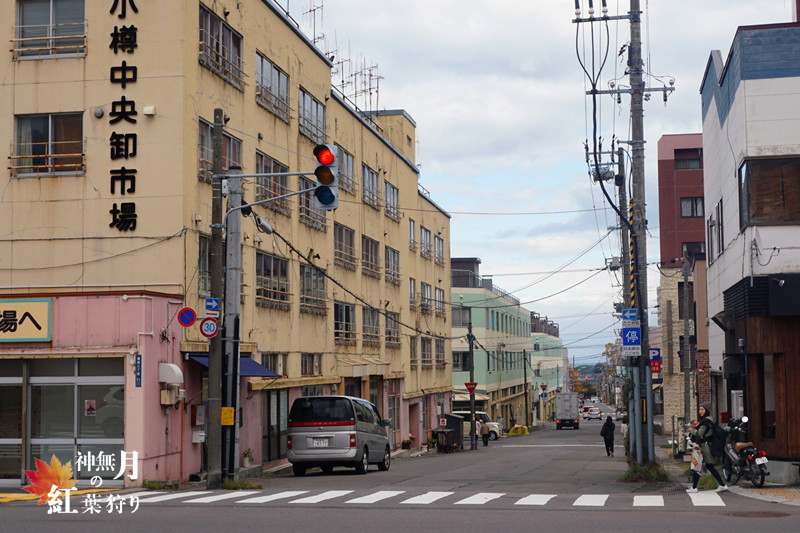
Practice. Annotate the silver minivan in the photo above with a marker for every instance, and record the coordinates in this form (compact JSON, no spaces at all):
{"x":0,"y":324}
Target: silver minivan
{"x":328,"y":431}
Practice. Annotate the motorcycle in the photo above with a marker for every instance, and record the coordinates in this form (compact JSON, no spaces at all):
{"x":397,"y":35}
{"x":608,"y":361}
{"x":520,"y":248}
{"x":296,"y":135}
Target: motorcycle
{"x":741,"y":459}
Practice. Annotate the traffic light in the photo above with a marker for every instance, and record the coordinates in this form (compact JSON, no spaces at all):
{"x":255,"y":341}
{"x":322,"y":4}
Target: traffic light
{"x":327,"y":173}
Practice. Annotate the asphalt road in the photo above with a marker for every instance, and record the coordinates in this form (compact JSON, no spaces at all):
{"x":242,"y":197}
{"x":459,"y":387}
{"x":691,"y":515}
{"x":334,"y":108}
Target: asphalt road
{"x":554,"y":480}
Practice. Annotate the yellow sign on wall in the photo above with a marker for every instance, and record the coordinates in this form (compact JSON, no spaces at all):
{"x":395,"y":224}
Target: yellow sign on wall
{"x":227,"y":416}
{"x":25,"y":319}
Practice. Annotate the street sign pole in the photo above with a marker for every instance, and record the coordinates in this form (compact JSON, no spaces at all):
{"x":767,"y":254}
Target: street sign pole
{"x":473,"y":438}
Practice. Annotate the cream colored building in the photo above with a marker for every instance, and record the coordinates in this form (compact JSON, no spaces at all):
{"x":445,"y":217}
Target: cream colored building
{"x":105,"y":219}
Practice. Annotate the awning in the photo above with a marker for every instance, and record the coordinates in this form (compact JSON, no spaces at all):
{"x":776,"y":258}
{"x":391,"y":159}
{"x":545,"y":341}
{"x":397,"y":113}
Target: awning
{"x":247,"y":367}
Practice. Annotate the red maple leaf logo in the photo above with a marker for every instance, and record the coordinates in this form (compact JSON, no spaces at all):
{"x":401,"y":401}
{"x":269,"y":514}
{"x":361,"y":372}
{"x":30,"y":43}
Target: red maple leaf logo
{"x":44,"y":477}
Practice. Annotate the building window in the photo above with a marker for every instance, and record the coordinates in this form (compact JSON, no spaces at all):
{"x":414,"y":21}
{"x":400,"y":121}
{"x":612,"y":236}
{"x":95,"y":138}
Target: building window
{"x":392,"y":330}
{"x":204,"y":267}
{"x":276,"y":362}
{"x":311,"y":364}
{"x":439,"y":302}
{"x":681,"y":308}
{"x":272,"y":88}
{"x":231,"y":151}
{"x":49,"y":145}
{"x":344,"y":251}
{"x":425,"y":299}
{"x":767,"y":388}
{"x":438,"y":250}
{"x":461,"y":317}
{"x":310,"y":214}
{"x":272,"y":281}
{"x":412,"y":238}
{"x":412,"y":351}
{"x":460,"y":361}
{"x":694,"y":249}
{"x":440,"y":352}
{"x":710,"y":233}
{"x":346,"y":179}
{"x":412,"y":293}
{"x":392,"y":269}
{"x":312,"y":117}
{"x":692,"y":207}
{"x":271,"y":186}
{"x":720,"y":230}
{"x":769,"y":191}
{"x":370,"y":260}
{"x":220,"y":49}
{"x":425,"y":242}
{"x":49,"y":29}
{"x":370,"y":194}
{"x":312,"y":291}
{"x":689,"y":159}
{"x":370,"y":327}
{"x":391,"y":199}
{"x":427,"y":355}
{"x":344,"y":323}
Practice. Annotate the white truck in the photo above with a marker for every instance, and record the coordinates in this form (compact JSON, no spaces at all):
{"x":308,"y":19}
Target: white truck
{"x":567,"y":413}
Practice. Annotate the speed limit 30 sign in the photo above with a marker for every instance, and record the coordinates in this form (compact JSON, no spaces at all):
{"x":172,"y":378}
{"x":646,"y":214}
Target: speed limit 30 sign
{"x":208,"y":327}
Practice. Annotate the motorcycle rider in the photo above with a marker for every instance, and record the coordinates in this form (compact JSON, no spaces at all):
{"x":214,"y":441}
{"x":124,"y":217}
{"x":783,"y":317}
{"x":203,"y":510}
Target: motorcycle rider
{"x":700,"y":433}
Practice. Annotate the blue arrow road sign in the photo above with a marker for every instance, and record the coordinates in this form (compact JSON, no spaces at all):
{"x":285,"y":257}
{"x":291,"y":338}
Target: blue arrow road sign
{"x":212,"y":307}
{"x":631,"y":336}
{"x":630,"y":314}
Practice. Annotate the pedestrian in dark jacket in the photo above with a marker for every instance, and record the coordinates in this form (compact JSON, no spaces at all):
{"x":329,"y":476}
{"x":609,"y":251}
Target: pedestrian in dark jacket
{"x":608,"y":436}
{"x":701,"y":433}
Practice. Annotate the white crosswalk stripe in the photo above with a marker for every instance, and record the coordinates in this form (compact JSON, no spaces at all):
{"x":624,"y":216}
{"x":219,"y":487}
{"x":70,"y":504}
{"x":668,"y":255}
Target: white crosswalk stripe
{"x":173,"y":496}
{"x":591,"y":500}
{"x":272,"y":497}
{"x":707,"y":499}
{"x":480,"y":498}
{"x":376,"y":497}
{"x":428,"y":497}
{"x":648,"y":501}
{"x":700,"y":499}
{"x":535,"y":499}
{"x":327,"y":495}
{"x":223,"y":496}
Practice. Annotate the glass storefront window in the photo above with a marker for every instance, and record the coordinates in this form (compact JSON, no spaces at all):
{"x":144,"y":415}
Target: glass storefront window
{"x":10,"y":368}
{"x":81,"y":471}
{"x":101,"y":411}
{"x":101,"y":367}
{"x":10,"y":411}
{"x":52,"y":411}
{"x":51,"y":367}
{"x":10,"y":461}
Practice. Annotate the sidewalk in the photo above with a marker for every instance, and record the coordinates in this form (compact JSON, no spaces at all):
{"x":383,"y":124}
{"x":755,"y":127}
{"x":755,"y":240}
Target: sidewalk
{"x":770,"y":492}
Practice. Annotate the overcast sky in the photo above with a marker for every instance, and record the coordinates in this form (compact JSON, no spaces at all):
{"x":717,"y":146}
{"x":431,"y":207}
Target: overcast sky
{"x":498,"y":96}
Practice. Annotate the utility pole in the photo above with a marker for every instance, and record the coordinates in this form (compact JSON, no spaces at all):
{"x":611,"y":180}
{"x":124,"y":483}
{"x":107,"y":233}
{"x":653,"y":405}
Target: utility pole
{"x":636,"y":70}
{"x":473,"y":438}
{"x":233,"y":287}
{"x":525,"y":387}
{"x":214,"y":429}
{"x":685,"y":345}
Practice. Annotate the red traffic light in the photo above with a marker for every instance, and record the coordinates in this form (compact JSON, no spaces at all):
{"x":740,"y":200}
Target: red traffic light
{"x":324,"y":155}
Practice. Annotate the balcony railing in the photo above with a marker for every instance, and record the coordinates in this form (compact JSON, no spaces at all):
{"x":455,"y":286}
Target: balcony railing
{"x":48,"y":158}
{"x":270,"y":189}
{"x":371,"y":198}
{"x":272,"y":102}
{"x":425,"y":250}
{"x":48,"y":41}
{"x":412,"y":302}
{"x":344,"y":256}
{"x":368,"y":268}
{"x":272,"y":293}
{"x":314,"y":303}
{"x":412,"y":245}
{"x":392,"y":276}
{"x":225,"y":63}
{"x":346,"y":336}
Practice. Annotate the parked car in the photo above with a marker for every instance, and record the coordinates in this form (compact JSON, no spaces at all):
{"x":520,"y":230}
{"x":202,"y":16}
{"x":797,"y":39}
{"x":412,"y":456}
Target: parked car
{"x":594,"y":413}
{"x":585,"y":411}
{"x":494,"y":428}
{"x":328,"y":431}
{"x":620,"y":414}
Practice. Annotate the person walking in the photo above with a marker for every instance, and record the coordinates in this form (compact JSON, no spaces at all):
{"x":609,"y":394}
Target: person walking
{"x":701,"y":433}
{"x":485,"y":434}
{"x":608,"y":436}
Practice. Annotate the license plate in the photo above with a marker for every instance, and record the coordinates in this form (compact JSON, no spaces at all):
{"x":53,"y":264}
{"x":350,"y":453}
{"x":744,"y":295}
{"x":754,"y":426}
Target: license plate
{"x":761,"y":460}
{"x":320,"y":443}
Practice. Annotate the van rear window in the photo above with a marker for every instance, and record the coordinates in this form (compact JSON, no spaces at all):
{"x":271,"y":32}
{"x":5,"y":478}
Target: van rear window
{"x":321,"y":411}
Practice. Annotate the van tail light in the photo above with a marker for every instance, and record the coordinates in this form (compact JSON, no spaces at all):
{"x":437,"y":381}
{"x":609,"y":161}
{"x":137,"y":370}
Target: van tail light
{"x":576,"y":421}
{"x":761,"y":454}
{"x":352,"y":440}
{"x":289,"y":442}
{"x":749,"y":457}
